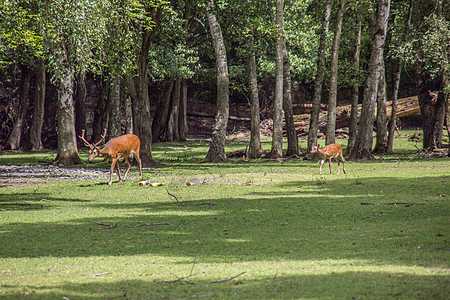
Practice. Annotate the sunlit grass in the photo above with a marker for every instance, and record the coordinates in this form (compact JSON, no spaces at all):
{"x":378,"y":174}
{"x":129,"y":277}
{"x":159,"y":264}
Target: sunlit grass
{"x":240,"y":230}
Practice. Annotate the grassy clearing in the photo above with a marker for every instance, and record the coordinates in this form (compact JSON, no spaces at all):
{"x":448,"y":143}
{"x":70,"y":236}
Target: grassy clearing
{"x":240,"y":230}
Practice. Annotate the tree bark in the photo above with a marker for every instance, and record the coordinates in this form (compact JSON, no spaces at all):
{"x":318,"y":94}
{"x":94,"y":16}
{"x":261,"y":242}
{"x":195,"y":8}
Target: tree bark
{"x":364,"y":140}
{"x":38,"y":110}
{"x":67,"y":153}
{"x":332,"y":98}
{"x":99,"y":122}
{"x":353,"y":127}
{"x":381,"y":144}
{"x":13,"y":142}
{"x":80,"y":104}
{"x":255,"y":136}
{"x":159,"y":125}
{"x":277,"y":137}
{"x":172,"y":124}
{"x":318,"y":83}
{"x":114,"y":112}
{"x":291,"y":133}
{"x":216,"y":152}
{"x":182,"y":118}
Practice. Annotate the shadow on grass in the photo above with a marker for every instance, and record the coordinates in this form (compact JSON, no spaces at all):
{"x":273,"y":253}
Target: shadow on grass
{"x":345,"y":285}
{"x":324,"y":221}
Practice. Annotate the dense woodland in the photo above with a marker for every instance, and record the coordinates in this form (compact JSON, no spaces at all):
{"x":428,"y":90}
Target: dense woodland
{"x":141,"y":66}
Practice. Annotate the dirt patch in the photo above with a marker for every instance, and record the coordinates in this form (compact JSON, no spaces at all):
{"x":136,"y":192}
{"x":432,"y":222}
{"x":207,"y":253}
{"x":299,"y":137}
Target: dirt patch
{"x":22,"y":175}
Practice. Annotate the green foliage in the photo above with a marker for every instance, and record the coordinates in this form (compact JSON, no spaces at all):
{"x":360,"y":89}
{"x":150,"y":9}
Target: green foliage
{"x":241,"y":230}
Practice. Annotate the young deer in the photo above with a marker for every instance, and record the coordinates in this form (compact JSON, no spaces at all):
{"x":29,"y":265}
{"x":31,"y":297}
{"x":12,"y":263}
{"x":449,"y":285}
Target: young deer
{"x":329,"y":152}
{"x":123,"y":146}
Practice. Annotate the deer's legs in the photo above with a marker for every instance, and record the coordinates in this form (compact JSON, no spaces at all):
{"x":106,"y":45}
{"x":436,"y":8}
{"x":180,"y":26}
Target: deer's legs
{"x":136,"y":155}
{"x":321,"y":163}
{"x":113,"y":164}
{"x":129,"y":167}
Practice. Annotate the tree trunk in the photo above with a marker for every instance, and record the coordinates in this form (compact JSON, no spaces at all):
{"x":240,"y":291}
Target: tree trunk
{"x":216,"y":152}
{"x":381,"y":144}
{"x":80,"y":104}
{"x":38,"y":110}
{"x":332,"y":98}
{"x":99,"y":121}
{"x":393,"y":121}
{"x":114,"y":112}
{"x":255,"y":136}
{"x":277,"y":137}
{"x":318,"y":83}
{"x":67,"y":153}
{"x":182,"y":117}
{"x":292,"y":149}
{"x":353,"y":127}
{"x":159,"y":125}
{"x":172,"y":124}
{"x":364,"y":140}
{"x":13,"y":142}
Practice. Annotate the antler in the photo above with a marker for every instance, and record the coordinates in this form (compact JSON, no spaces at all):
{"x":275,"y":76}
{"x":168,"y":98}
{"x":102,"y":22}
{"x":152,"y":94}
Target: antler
{"x":86,"y":143}
{"x":103,"y":138}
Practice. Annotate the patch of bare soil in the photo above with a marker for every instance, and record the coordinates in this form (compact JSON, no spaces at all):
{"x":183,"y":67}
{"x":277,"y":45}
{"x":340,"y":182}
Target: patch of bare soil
{"x":22,"y":175}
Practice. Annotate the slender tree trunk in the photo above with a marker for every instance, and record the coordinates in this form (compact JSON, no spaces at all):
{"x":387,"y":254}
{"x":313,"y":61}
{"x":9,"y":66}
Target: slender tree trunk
{"x":332,"y":98}
{"x":364,"y":140}
{"x":99,"y":121}
{"x":114,"y":112}
{"x":159,"y":125}
{"x":38,"y":110}
{"x":255,"y":136}
{"x":172,"y":124}
{"x":318,"y":83}
{"x":182,"y":118}
{"x":393,"y":121}
{"x":277,"y":137}
{"x":67,"y":153}
{"x":216,"y":151}
{"x":292,"y":149}
{"x":80,"y":104}
{"x":353,"y":127}
{"x":13,"y":141}
{"x":381,"y":144}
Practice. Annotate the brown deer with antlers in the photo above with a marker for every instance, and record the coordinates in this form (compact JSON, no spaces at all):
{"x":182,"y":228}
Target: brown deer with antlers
{"x":123,"y":146}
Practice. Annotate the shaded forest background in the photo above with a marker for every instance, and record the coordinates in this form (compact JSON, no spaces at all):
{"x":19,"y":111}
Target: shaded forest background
{"x":98,"y":49}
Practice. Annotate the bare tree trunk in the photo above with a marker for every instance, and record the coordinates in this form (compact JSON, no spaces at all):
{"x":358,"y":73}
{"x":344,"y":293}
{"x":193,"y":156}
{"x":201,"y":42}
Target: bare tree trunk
{"x":38,"y":111}
{"x":13,"y":141}
{"x":182,"y":118}
{"x":80,"y":104}
{"x":277,"y":137}
{"x":255,"y":136}
{"x":67,"y":153}
{"x":332,"y":99}
{"x":216,"y":152}
{"x":381,"y":144}
{"x":318,"y":83}
{"x":292,"y":149}
{"x":115,"y":116}
{"x":99,"y":121}
{"x":353,"y":127}
{"x":172,"y":124}
{"x":364,"y":140}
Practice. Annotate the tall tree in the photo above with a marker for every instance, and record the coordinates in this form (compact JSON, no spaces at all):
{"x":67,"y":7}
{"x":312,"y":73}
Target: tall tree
{"x":332,"y":96}
{"x":382,"y":138}
{"x":138,"y":85}
{"x":255,"y":136}
{"x":364,"y":140}
{"x":38,"y":110}
{"x":318,"y":83}
{"x":353,"y":127}
{"x":277,"y":137}
{"x":216,"y":152}
{"x":72,"y":33}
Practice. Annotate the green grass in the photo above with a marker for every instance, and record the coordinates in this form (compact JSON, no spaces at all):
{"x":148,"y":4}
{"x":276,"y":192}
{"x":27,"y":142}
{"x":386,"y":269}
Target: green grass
{"x":242,"y":230}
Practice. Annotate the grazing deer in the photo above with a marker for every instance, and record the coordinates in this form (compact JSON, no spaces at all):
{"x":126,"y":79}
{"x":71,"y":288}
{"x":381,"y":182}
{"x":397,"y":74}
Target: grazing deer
{"x":123,"y":146}
{"x":329,"y":152}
